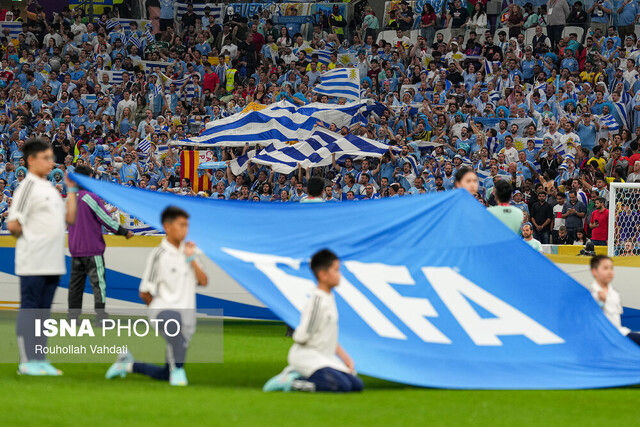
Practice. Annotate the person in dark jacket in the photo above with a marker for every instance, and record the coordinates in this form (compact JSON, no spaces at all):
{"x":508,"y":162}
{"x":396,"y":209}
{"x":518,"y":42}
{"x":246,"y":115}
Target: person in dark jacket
{"x":86,"y":246}
{"x":541,"y":217}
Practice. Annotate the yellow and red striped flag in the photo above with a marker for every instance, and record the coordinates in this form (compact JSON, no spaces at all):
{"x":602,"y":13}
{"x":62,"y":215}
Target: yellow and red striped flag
{"x":189,"y":160}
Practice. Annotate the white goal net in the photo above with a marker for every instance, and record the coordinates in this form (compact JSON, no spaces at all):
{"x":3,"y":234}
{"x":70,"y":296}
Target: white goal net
{"x":624,"y":219}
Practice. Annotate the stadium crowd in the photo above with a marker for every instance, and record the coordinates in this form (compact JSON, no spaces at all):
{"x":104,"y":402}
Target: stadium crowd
{"x":558,"y":117}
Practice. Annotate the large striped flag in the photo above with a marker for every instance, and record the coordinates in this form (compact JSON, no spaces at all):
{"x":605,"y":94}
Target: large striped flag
{"x":318,"y":150}
{"x":279,"y":122}
{"x":341,"y":83}
{"x":189,"y":160}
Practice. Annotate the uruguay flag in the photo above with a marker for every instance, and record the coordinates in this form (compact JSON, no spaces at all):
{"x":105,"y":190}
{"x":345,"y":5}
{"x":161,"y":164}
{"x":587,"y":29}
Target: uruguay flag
{"x":610,"y":122}
{"x":341,"y":83}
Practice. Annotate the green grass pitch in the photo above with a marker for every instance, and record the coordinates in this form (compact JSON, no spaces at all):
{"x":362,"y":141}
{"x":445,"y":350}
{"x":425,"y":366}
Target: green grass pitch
{"x":230,"y":394}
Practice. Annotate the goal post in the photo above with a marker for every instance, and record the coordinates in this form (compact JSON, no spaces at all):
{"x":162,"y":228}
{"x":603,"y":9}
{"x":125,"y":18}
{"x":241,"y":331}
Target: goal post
{"x":624,"y":219}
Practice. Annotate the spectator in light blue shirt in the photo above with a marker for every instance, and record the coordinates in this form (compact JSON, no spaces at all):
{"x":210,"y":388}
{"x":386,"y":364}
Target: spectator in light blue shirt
{"x":569,"y":62}
{"x":587,"y":131}
{"x":627,"y":11}
{"x":129,"y":171}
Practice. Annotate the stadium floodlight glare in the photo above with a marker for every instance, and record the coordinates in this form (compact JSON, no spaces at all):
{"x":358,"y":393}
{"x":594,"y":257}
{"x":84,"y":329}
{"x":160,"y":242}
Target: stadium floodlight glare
{"x":624,"y":219}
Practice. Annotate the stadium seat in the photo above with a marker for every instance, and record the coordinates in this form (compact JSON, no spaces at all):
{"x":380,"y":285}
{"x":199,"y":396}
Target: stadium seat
{"x":413,"y":36}
{"x":386,"y":35}
{"x":390,"y":36}
{"x":571,"y":29}
{"x":531,"y":32}
{"x":479,"y":37}
{"x":494,"y":7}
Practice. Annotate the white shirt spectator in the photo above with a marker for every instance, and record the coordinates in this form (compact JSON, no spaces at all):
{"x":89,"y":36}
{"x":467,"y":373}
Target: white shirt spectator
{"x":40,"y":210}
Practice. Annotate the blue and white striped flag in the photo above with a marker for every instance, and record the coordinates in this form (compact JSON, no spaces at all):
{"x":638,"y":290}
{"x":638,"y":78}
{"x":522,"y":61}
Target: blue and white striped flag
{"x":14,"y":27}
{"x":610,"y":122}
{"x":239,"y":164}
{"x":494,"y":96}
{"x":493,"y":143}
{"x":279,"y":122}
{"x":621,"y":111}
{"x":150,"y":66}
{"x":134,"y":40}
{"x":90,"y":98}
{"x":482,"y":175}
{"x":161,"y":150}
{"x":491,"y":67}
{"x":412,"y":161}
{"x":115,"y":77}
{"x":625,"y":98}
{"x":144,"y":146}
{"x":147,"y":33}
{"x":341,"y":83}
{"x":166,"y":80}
{"x":111,"y":23}
{"x":318,"y":150}
{"x":324,"y":55}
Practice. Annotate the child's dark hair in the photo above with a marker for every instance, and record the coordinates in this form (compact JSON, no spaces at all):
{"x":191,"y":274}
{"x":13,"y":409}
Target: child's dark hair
{"x":596,"y":260}
{"x":83,"y":170}
{"x":503,"y":191}
{"x":34,"y":146}
{"x":315,"y":186}
{"x":462,"y":172}
{"x":171,"y":213}
{"x":322,"y":260}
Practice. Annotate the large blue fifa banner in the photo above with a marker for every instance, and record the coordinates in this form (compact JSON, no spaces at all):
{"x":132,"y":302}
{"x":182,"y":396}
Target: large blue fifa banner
{"x":436,"y":292}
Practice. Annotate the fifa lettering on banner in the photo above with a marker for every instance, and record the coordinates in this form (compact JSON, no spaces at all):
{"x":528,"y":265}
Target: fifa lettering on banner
{"x":454,"y":290}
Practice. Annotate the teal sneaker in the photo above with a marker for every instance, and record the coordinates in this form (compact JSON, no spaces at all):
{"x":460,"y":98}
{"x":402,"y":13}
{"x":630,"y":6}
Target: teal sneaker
{"x":50,"y":369}
{"x":178,"y":377}
{"x":119,"y":369}
{"x":282,"y":381}
{"x":32,"y":367}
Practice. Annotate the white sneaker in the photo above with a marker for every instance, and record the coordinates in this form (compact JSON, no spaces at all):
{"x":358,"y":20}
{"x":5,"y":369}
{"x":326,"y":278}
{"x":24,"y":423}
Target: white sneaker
{"x":303,"y":385}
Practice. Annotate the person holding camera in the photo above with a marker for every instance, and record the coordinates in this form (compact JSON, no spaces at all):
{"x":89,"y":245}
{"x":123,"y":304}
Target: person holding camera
{"x":600,"y":13}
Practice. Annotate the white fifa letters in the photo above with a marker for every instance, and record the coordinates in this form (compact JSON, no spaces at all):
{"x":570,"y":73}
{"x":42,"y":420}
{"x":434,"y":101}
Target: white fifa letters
{"x":454,"y":290}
